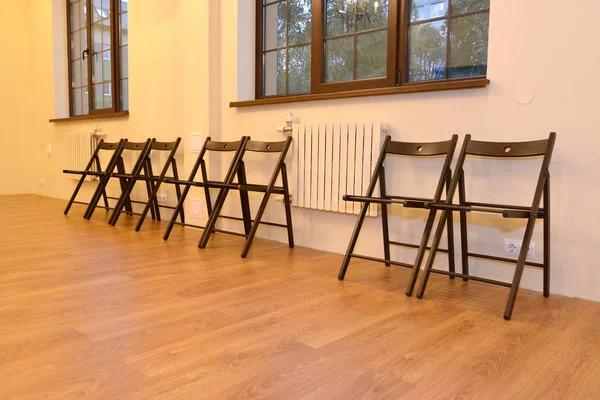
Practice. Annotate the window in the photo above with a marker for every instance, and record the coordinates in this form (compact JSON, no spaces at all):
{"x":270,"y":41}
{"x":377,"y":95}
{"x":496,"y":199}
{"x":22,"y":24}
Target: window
{"x":324,"y":46}
{"x":98,"y":59}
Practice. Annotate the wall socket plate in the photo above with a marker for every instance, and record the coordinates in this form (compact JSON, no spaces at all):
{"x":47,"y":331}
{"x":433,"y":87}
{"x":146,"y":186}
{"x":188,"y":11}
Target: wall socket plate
{"x":513,"y":247}
{"x":196,"y":207}
{"x":162,"y":198}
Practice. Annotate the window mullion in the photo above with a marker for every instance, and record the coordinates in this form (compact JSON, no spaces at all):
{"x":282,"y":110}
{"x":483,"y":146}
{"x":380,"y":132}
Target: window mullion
{"x":449,"y":16}
{"x":115,"y":54}
{"x":90,"y":54}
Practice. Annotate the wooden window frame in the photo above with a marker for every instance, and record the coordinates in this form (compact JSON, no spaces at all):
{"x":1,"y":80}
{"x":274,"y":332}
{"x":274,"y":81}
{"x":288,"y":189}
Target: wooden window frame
{"x":115,"y":60}
{"x":396,"y":79}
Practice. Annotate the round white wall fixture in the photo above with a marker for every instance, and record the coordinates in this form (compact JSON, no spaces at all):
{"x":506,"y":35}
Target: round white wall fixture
{"x":524,"y":95}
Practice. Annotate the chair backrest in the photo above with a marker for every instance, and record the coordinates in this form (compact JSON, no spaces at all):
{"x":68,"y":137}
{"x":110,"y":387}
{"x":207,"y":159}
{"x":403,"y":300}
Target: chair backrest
{"x":427,"y":149}
{"x":165,"y":146}
{"x":509,"y":149}
{"x":270,"y":147}
{"x":423,"y":149}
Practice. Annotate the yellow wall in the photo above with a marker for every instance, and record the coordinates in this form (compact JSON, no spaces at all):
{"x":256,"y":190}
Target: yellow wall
{"x":16,"y":109}
{"x":189,"y":59}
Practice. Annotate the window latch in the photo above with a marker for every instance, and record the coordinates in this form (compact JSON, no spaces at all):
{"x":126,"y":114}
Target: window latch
{"x":86,"y":51}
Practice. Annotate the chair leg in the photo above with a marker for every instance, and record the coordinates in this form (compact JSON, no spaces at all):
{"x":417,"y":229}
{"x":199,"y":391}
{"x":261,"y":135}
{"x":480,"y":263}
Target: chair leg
{"x":547,"y":237}
{"x":432,"y":253}
{"x":178,"y":209}
{"x":353,"y":239}
{"x":288,"y":207}
{"x":212,"y":219}
{"x":177,"y":188}
{"x":421,"y":253}
{"x":149,"y":190}
{"x":256,"y":224}
{"x":105,"y":198}
{"x":514,"y":289}
{"x":152,"y":197}
{"x":464,"y":242}
{"x":148,"y":206}
{"x":74,"y":195}
{"x":384,"y":219}
{"x":245,"y":201}
{"x":450,"y":229}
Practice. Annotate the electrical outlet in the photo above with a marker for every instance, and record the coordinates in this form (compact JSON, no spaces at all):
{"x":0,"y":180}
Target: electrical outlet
{"x":196,"y":207}
{"x":513,"y":247}
{"x":42,"y":181}
{"x":162,"y":198}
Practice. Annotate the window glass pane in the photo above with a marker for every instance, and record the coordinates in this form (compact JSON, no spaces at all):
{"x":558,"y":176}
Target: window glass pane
{"x":274,"y":68}
{"x":107,"y":92}
{"x":123,"y":4}
{"x":299,"y":28}
{"x":106,"y":66}
{"x":371,"y":55}
{"x":124,"y":29}
{"x":463,"y":6}
{"x":299,"y":70}
{"x":98,"y":95}
{"x":75,"y":46}
{"x":339,"y":17}
{"x":124,"y":62}
{"x":125,"y":94}
{"x":426,"y":9}
{"x":469,"y":46}
{"x":100,"y":10}
{"x":76,"y":74}
{"x":371,"y":14}
{"x":427,"y":51}
{"x":275,"y":26}
{"x":75,"y":16}
{"x":97,"y":64}
{"x":339,"y":54}
{"x":76,"y":98}
{"x":85,"y":101}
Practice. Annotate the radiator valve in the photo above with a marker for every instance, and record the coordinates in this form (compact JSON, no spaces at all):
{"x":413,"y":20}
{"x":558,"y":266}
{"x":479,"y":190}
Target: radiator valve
{"x":288,"y":124}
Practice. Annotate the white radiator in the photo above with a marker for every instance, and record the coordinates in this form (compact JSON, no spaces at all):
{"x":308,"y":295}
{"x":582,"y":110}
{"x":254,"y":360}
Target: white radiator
{"x":80,"y":147}
{"x":331,"y":160}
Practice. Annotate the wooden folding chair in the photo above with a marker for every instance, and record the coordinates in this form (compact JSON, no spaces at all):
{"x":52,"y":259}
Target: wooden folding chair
{"x":94,"y":168}
{"x":152,"y":181}
{"x":437,"y":149}
{"x":496,"y":150}
{"x":251,"y":226}
{"x":120,"y":174}
{"x":209,"y":146}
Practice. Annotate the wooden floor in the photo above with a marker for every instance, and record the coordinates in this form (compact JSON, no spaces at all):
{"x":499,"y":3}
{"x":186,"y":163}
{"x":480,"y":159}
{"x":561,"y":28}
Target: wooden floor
{"x":93,"y":311}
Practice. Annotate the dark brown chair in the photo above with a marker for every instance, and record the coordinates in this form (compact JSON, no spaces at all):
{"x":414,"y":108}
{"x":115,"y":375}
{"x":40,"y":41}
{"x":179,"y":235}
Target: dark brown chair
{"x":445,"y":149}
{"x":153,"y":182}
{"x":121,"y":174}
{"x":200,"y":164}
{"x":470,"y":147}
{"x":94,"y":169}
{"x":251,"y":226}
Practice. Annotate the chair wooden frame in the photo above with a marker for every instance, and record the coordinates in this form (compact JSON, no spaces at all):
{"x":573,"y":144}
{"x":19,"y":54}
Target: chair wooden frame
{"x":121,"y":175}
{"x":537,"y":210}
{"x":251,"y":225}
{"x":117,"y":149}
{"x":153,"y":182}
{"x":389,"y":147}
{"x":200,"y":164}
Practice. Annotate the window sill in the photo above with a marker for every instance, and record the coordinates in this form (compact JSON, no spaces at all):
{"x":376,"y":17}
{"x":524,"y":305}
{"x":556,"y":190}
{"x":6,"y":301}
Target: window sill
{"x":408,"y":88}
{"x":120,"y":114}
